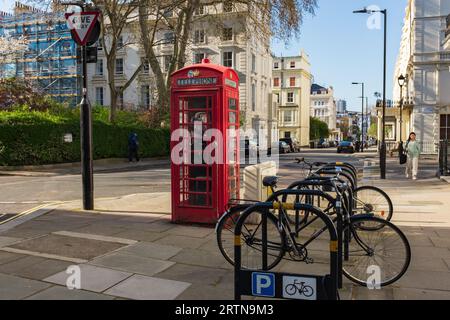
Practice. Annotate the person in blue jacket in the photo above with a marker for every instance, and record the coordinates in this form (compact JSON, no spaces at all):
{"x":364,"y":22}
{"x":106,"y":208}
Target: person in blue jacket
{"x":133,"y":147}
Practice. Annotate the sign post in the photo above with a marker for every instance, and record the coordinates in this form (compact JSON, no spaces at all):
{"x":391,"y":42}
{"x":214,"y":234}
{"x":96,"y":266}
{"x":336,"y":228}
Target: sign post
{"x":81,"y":25}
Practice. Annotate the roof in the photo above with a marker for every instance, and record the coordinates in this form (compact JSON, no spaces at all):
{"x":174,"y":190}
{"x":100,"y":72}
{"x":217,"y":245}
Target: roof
{"x":315,"y":87}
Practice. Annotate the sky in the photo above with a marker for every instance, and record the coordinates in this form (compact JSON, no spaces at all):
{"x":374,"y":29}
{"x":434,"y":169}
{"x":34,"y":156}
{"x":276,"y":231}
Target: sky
{"x":343,"y":49}
{"x":341,"y":46}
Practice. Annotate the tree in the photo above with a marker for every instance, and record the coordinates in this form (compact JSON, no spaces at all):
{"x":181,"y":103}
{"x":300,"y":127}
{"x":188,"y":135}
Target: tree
{"x":278,"y":18}
{"x":10,"y":49}
{"x":373,"y":130}
{"x":117,"y":16}
{"x":318,"y":129}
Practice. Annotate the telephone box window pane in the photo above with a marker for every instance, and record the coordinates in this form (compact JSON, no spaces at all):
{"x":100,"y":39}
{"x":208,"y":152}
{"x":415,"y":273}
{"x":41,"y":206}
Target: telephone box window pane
{"x":232,"y":117}
{"x":197,"y":103}
{"x":232,"y":103}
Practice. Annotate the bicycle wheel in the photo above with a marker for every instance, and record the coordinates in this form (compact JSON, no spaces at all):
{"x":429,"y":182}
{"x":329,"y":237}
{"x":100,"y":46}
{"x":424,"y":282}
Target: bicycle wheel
{"x":291,"y":289}
{"x":384,"y":248}
{"x":308,"y":291}
{"x":368,"y":199}
{"x":251,"y":239}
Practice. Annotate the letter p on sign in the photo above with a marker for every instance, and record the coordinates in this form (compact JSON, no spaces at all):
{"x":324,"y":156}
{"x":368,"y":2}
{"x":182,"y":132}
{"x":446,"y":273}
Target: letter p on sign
{"x":263,"y":284}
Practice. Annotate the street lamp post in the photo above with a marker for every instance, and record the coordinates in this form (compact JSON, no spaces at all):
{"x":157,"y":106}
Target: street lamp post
{"x":383,"y":140}
{"x":401,"y":82}
{"x":362,"y":115}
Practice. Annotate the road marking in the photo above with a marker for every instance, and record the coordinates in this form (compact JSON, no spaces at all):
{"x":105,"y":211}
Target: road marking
{"x":43,"y":255}
{"x":94,"y":237}
{"x":24,"y":213}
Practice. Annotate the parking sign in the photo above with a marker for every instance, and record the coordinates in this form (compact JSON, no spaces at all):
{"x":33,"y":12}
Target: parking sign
{"x":263,"y":284}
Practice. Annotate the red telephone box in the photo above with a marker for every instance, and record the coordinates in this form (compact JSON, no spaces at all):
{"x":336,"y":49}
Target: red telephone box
{"x":204,"y":96}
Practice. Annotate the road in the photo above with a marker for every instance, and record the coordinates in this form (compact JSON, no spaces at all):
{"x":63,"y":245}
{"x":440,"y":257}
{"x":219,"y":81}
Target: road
{"x":20,"y":193}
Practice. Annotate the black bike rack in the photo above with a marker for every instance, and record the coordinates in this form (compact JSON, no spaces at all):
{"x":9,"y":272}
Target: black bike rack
{"x":276,"y":284}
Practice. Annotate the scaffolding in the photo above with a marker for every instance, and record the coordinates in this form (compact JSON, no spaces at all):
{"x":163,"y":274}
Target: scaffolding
{"x":49,"y":60}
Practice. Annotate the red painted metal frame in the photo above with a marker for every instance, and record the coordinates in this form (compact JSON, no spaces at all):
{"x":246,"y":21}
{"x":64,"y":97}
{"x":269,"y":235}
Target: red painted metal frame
{"x":193,"y":82}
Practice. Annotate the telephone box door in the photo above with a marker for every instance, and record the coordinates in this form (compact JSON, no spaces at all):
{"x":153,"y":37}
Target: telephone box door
{"x":196,"y":181}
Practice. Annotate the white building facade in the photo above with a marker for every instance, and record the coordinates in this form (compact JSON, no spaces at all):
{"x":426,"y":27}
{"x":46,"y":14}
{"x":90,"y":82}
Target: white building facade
{"x":424,"y":59}
{"x":225,"y":41}
{"x":323,"y":107}
{"x":291,"y":88}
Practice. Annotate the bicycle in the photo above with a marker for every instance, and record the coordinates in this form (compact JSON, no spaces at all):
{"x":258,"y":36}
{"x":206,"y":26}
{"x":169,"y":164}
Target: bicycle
{"x":366,"y":199}
{"x":299,"y":288}
{"x":357,"y":244}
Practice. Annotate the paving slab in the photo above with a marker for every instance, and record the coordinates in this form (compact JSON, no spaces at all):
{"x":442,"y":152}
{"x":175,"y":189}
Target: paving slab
{"x":182,"y":241}
{"x":430,"y":280}
{"x":6,"y":257}
{"x":132,"y":263}
{"x":207,"y":292}
{"x":196,"y":274}
{"x":12,"y":287}
{"x":62,"y":293}
{"x":191,"y":231}
{"x":363,"y":293}
{"x":441,"y":242}
{"x":6,"y":241}
{"x":148,"y":288}
{"x":140,"y":235}
{"x":34,"y":267}
{"x":93,"y":278}
{"x":420,"y":294}
{"x":100,"y":229}
{"x":71,"y":247}
{"x":151,"y":250}
{"x":201,"y":258}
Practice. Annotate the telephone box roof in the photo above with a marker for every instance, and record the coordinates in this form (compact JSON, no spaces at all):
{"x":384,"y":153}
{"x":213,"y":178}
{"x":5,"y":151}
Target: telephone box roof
{"x":206,"y":65}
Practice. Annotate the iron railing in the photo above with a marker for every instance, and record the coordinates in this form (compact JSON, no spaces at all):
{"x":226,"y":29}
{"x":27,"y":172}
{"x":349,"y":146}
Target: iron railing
{"x":444,"y":168}
{"x":426,"y":147}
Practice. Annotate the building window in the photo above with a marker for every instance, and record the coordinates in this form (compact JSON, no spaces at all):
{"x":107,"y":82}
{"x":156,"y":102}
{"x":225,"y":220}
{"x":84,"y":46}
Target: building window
{"x":287,"y":134}
{"x":253,"y":97}
{"x":200,"y":10}
{"x":198,"y":57}
{"x":199,"y":36}
{"x":292,"y":64}
{"x":290,"y":97}
{"x":145,"y":96}
{"x":145,"y":66}
{"x":227,"y":6}
{"x":119,"y":42}
{"x":292,"y":81}
{"x":253,"y":63}
{"x":275,"y":65}
{"x":227,"y":34}
{"x":287,"y":116}
{"x":276,"y":82}
{"x":277,"y":97}
{"x":99,"y":67}
{"x":445,"y":127}
{"x":169,"y":38}
{"x":168,"y":13}
{"x":99,"y":96}
{"x":167,"y":60}
{"x":119,"y":66}
{"x":228,"y":59}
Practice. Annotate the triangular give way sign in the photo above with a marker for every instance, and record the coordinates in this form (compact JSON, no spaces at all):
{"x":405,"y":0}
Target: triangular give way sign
{"x":82,"y":23}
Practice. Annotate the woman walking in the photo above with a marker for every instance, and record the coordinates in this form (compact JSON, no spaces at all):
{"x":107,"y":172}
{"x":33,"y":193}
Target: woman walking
{"x":413,"y":152}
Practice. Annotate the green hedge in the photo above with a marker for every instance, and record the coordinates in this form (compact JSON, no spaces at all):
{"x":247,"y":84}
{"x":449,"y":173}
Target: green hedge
{"x":34,"y":144}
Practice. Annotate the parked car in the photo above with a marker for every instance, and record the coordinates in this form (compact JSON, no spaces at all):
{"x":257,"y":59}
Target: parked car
{"x":346,"y":146}
{"x":284,"y":147}
{"x":293,"y":143}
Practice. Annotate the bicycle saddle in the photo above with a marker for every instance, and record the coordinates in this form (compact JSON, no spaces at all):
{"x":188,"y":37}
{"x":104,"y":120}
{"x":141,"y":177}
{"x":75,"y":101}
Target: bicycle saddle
{"x":270,"y":181}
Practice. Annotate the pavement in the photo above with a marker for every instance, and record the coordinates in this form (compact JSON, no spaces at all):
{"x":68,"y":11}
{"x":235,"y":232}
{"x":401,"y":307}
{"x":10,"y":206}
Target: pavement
{"x":128,"y":248}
